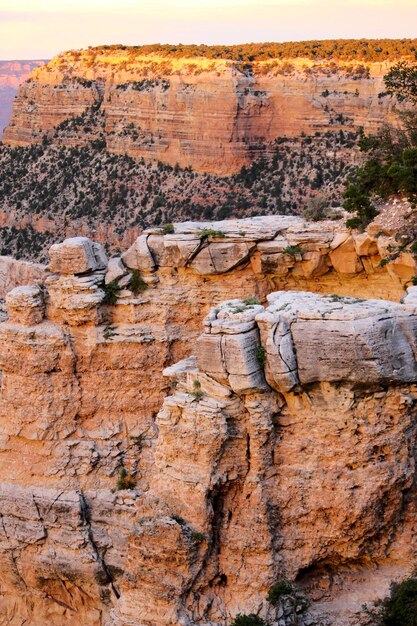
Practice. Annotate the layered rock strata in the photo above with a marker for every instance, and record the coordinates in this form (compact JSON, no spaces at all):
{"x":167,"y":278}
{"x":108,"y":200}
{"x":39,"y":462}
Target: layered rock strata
{"x":212,"y":115}
{"x":284,"y":447}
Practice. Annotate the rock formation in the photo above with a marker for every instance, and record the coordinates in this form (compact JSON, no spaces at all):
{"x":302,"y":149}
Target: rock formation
{"x":12,"y":74}
{"x":172,"y":445}
{"x":212,"y":115}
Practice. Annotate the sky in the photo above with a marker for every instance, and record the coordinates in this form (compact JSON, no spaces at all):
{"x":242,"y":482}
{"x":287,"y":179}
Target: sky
{"x":39,"y":29}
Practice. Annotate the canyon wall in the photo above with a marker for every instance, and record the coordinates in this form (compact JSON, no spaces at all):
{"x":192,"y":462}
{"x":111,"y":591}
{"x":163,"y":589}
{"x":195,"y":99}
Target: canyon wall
{"x":177,"y":433}
{"x":12,"y":74}
{"x":212,"y":115}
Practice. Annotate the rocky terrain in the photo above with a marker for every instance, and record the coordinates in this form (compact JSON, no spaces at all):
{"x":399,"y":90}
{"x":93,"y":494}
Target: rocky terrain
{"x":12,"y":74}
{"x":188,"y":424}
{"x":185,"y":132}
{"x":50,"y":192}
{"x":214,"y":115}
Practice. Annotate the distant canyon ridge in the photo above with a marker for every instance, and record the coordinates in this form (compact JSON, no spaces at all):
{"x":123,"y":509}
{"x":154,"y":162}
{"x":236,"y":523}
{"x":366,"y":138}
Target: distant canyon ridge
{"x":108,"y":141}
{"x":12,"y":74}
{"x":214,"y":113}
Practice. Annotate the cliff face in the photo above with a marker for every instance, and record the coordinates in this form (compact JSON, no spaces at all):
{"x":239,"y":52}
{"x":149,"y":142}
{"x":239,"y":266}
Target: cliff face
{"x":212,"y":115}
{"x":170,"y":447}
{"x":12,"y":74}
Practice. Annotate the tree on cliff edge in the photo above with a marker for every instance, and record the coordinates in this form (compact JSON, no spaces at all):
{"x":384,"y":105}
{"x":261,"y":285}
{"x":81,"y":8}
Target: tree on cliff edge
{"x":391,"y":167}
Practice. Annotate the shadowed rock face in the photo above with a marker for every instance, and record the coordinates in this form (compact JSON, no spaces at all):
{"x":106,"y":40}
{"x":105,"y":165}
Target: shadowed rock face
{"x":12,"y":74}
{"x":212,"y":115}
{"x":259,"y":441}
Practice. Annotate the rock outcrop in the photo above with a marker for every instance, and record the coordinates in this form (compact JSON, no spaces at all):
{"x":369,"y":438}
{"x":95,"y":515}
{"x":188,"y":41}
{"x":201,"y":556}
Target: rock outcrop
{"x":12,"y":74}
{"x":170,"y":447}
{"x":212,"y":115}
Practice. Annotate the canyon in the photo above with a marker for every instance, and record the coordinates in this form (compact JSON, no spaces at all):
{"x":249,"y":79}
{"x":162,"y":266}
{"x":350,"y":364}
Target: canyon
{"x":205,"y":397}
{"x":174,"y":134}
{"x":186,"y":424}
{"x":212,"y":115}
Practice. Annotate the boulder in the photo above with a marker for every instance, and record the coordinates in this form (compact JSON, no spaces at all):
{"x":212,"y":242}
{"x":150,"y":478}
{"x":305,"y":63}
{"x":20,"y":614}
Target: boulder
{"x":173,"y":250}
{"x":115,"y":270}
{"x":77,"y":255}
{"x":138,"y":256}
{"x":218,"y":258}
{"x":328,"y":338}
{"x":229,"y":349}
{"x":25,"y":305}
{"x":344,"y":258}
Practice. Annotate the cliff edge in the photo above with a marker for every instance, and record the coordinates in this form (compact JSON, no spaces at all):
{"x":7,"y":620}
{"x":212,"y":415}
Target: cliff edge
{"x":186,"y":425}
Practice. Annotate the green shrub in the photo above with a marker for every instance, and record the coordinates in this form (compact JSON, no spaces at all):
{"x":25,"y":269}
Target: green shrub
{"x":208,"y":232}
{"x":400,"y":608}
{"x":292,"y":250}
{"x":278,"y":590}
{"x":125,"y":481}
{"x":251,"y":300}
{"x":111,"y":292}
{"x":168,"y":229}
{"x":137,"y":284}
{"x":260,"y":355}
{"x":248,"y":620}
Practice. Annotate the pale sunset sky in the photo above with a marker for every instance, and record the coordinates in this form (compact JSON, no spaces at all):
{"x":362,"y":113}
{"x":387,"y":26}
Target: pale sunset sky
{"x":33,"y":29}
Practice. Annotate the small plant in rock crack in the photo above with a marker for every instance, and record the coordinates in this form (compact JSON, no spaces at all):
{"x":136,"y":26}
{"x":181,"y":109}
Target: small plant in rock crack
{"x":293,"y":251}
{"x":139,"y":440}
{"x":168,"y":229}
{"x":108,"y":332}
{"x":209,"y":232}
{"x":278,"y":590}
{"x":197,"y":393}
{"x":111,"y":292}
{"x":251,"y":300}
{"x":248,"y":620}
{"x":137,"y":284}
{"x":125,"y":481}
{"x":260,"y":355}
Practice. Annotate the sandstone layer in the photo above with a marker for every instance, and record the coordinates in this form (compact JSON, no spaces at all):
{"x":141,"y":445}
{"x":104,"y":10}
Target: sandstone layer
{"x":212,"y":115}
{"x":170,"y":447}
{"x":12,"y":74}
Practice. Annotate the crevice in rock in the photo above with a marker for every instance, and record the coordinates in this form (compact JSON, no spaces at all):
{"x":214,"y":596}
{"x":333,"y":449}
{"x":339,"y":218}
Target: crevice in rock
{"x":12,"y":554}
{"x":85,"y":517}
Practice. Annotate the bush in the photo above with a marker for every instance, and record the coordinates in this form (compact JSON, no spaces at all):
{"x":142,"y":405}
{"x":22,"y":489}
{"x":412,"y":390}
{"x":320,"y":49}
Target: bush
{"x":278,"y":590}
{"x":208,"y":232}
{"x":250,"y":300}
{"x":292,"y":250}
{"x":400,"y":608}
{"x":260,"y":355}
{"x":125,"y":481}
{"x":137,"y":284}
{"x":248,"y":620}
{"x":111,"y":292}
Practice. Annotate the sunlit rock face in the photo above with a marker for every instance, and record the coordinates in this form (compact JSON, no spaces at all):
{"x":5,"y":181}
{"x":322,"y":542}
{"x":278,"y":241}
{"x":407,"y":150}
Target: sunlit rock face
{"x":212,"y":115}
{"x":175,"y":438}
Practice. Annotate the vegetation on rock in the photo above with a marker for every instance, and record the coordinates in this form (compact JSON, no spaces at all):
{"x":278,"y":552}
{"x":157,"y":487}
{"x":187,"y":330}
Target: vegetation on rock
{"x":248,"y":620}
{"x":399,"y":608}
{"x":340,"y":49}
{"x":391,"y":165}
{"x":57,"y":186}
